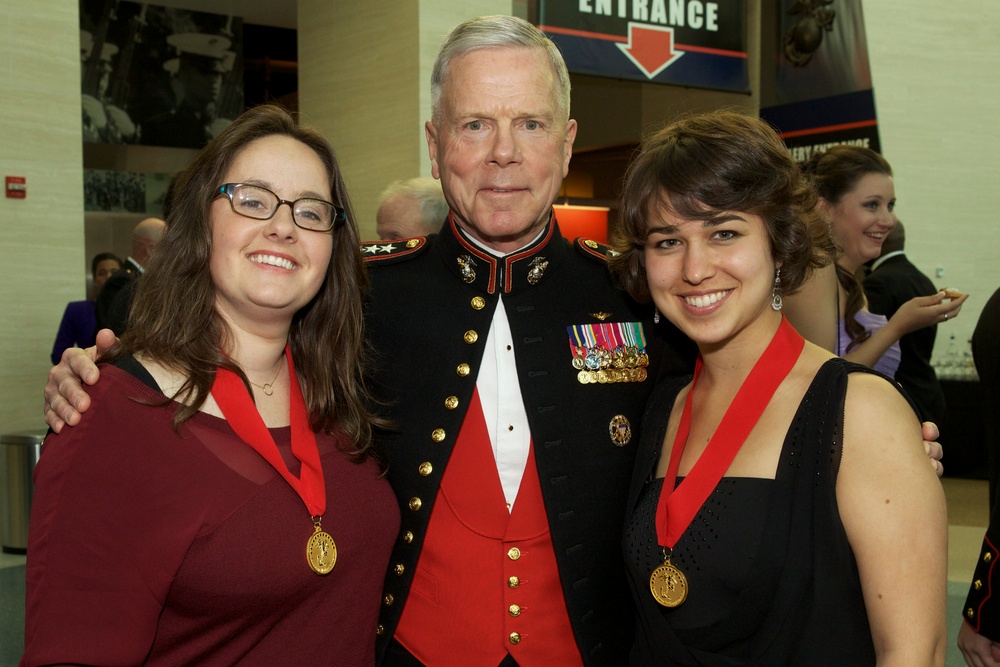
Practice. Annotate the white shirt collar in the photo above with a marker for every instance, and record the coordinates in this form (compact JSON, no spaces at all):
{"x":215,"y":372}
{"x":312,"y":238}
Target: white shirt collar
{"x":878,"y":262}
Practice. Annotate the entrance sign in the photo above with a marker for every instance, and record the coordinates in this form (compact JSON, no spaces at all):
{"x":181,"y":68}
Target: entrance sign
{"x":692,"y":43}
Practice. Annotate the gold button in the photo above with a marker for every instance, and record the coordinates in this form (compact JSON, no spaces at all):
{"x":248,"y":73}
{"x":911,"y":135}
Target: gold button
{"x":514,"y":610}
{"x":437,"y":435}
{"x":425,"y":469}
{"x":415,"y":504}
{"x":977,"y":584}
{"x":987,"y":557}
{"x":451,"y":402}
{"x":513,"y":553}
{"x":379,"y":629}
{"x":463,"y":370}
{"x":470,"y":336}
{"x":478,"y":303}
{"x":407,"y":537}
{"x":513,"y":582}
{"x":412,"y":243}
{"x":399,"y":569}
{"x":515,"y":638}
{"x":970,"y":613}
{"x":388,"y":600}
{"x":591,"y":244}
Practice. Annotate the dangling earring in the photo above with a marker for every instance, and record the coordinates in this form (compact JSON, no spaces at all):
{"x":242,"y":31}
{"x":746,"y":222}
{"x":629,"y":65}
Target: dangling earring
{"x":656,"y":315}
{"x":776,"y":292}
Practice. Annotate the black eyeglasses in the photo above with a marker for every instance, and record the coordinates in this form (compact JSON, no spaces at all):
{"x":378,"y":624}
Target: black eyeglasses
{"x":253,"y":201}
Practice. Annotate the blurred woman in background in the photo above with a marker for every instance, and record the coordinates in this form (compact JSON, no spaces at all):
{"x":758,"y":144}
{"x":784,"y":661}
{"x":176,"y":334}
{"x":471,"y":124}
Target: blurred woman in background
{"x":856,"y":200}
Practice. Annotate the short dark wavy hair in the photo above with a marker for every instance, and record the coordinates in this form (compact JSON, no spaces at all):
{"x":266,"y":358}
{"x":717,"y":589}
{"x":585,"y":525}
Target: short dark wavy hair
{"x":701,"y":165}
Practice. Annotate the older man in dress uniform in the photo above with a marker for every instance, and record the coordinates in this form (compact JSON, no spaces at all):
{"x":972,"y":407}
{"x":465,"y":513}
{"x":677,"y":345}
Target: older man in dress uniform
{"x":514,"y":370}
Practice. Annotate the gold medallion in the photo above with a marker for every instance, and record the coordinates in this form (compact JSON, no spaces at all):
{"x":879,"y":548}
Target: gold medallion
{"x":583,"y":377}
{"x":668,"y":585}
{"x":321,"y":552}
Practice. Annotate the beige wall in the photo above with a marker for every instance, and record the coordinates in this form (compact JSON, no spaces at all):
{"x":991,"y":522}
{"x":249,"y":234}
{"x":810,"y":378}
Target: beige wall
{"x":364,"y":79}
{"x":938,"y":99}
{"x":40,"y":138}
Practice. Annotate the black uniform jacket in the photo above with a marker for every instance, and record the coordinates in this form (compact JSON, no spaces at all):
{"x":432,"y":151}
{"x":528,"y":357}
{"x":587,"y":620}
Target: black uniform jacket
{"x":428,"y":319}
{"x":982,"y":605}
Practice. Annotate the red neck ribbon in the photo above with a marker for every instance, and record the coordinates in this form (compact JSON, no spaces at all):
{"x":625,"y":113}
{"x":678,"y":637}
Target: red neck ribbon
{"x":677,"y":508}
{"x":240,"y":412}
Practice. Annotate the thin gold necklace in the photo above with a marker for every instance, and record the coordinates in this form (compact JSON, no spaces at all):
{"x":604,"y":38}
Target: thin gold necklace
{"x":268,"y":389}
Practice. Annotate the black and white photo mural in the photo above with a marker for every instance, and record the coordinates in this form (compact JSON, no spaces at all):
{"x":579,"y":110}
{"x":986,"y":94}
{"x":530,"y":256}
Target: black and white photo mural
{"x":158,"y":76}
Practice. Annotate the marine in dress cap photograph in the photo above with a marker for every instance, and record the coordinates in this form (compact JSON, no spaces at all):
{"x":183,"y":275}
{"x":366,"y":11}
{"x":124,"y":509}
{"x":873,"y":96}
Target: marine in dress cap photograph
{"x":174,"y":76}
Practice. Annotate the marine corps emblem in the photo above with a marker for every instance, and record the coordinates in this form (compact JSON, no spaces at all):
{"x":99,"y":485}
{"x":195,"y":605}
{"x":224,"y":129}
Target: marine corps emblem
{"x":466,"y":263}
{"x":803,"y":38}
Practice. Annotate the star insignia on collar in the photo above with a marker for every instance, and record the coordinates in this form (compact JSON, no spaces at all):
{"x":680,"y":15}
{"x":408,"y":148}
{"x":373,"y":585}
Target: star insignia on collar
{"x":387,"y":248}
{"x":601,"y":316}
{"x":372,"y":249}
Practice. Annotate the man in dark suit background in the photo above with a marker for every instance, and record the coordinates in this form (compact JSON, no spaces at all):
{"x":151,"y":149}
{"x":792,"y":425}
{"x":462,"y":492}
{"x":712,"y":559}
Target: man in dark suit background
{"x":115,"y":299}
{"x":893,"y":281}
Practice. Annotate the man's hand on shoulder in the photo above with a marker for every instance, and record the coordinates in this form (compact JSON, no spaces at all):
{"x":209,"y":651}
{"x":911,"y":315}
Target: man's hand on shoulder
{"x":65,"y":398}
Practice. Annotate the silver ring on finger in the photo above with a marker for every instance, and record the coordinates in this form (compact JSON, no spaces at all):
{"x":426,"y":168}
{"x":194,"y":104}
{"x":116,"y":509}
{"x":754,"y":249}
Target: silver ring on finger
{"x":946,"y":317}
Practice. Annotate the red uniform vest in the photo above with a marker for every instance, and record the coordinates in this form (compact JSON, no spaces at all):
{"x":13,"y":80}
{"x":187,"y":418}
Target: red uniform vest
{"x":486,"y":583}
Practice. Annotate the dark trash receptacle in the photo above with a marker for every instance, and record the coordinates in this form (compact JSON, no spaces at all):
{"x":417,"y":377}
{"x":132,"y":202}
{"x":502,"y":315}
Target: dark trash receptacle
{"x":18,"y":455}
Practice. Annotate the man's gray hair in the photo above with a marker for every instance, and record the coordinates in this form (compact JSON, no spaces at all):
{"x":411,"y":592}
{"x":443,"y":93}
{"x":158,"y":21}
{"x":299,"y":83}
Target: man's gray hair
{"x":487,"y":32}
{"x":427,"y":191}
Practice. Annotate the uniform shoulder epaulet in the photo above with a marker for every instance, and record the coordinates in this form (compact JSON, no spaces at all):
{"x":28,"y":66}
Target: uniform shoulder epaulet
{"x":595,"y":250}
{"x":385,"y":252}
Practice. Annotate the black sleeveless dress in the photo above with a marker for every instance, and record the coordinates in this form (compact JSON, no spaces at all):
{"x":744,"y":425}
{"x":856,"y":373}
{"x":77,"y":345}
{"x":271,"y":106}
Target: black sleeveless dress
{"x":771,"y":576}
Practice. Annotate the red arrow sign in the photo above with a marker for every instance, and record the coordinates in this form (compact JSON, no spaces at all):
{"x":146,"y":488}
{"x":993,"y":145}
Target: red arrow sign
{"x":651,"y":48}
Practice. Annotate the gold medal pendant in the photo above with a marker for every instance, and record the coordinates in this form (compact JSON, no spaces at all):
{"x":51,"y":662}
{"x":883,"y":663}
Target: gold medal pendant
{"x":668,"y":585}
{"x":321,"y":551}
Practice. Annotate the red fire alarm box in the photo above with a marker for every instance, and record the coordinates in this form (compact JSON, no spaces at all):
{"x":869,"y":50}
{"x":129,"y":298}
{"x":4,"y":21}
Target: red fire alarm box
{"x":16,"y":187}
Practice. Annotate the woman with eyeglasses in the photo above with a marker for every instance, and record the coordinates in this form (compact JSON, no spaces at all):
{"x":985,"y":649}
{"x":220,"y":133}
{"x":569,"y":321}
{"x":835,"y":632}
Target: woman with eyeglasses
{"x":222,"y":503}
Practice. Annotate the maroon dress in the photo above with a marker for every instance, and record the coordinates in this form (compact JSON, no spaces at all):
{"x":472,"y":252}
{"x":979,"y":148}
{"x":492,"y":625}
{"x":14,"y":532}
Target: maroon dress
{"x":148,"y":546}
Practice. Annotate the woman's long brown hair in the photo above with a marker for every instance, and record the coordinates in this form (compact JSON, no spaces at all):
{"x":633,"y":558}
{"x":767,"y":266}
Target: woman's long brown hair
{"x":174,"y":320}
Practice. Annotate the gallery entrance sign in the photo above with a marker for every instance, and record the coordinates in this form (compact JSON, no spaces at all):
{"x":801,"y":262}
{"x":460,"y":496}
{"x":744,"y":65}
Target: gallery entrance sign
{"x":678,"y":42}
